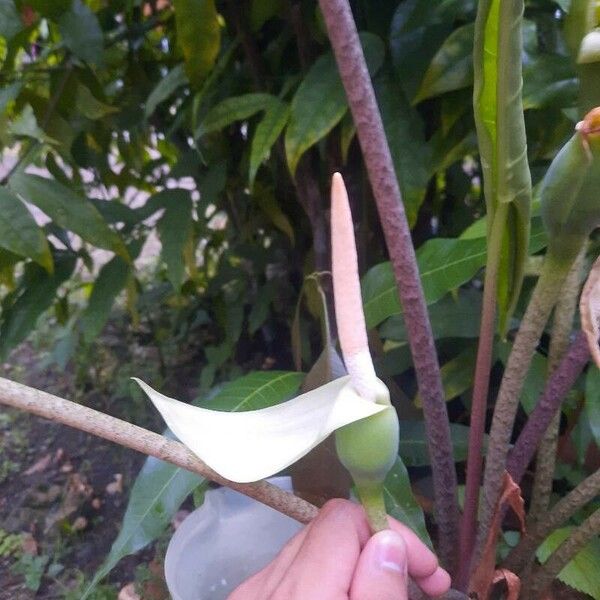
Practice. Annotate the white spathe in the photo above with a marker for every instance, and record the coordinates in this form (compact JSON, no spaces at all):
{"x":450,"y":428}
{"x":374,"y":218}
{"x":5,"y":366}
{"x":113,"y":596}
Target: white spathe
{"x":252,"y":445}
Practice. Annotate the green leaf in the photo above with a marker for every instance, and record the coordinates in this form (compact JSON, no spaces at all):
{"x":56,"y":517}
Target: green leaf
{"x":582,"y":572}
{"x":266,"y":134}
{"x":161,"y":488}
{"x":400,"y":502}
{"x":404,"y":129}
{"x":34,"y":295}
{"x":418,"y":29}
{"x":107,"y":286}
{"x":444,"y":263}
{"x":234,"y":109}
{"x":451,"y":317}
{"x":413,"y":443}
{"x":89,"y":106}
{"x":320,"y":101}
{"x":157,"y":494}
{"x":592,"y":401}
{"x":255,"y":390}
{"x":498,"y":109}
{"x":175,"y":229}
{"x":19,"y":232}
{"x":198,"y":36}
{"x":269,"y":206}
{"x":10,"y":20}
{"x":81,"y":32}
{"x":174,"y":79}
{"x":549,"y":80}
{"x":25,"y":125}
{"x":69,"y":210}
{"x":452,"y":66}
{"x":457,"y":375}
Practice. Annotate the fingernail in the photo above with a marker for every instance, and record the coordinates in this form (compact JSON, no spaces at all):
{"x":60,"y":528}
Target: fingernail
{"x":390,"y":551}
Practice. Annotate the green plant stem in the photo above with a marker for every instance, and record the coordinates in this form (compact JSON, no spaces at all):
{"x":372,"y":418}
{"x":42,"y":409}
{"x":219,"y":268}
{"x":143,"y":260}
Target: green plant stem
{"x":481,"y":382}
{"x":147,"y":442}
{"x":564,"y":509}
{"x":371,"y":497}
{"x":559,"y":343}
{"x":543,"y":576}
{"x":543,"y":299}
{"x":365,"y":112}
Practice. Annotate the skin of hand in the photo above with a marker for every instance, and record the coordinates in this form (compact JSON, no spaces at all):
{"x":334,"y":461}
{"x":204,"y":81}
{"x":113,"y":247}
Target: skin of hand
{"x":335,"y":558}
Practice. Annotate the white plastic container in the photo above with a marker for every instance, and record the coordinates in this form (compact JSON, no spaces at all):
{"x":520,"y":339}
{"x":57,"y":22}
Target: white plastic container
{"x":222,"y":543}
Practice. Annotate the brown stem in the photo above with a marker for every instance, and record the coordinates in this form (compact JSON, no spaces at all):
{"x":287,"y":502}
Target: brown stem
{"x":147,"y":442}
{"x":363,"y":105}
{"x":577,"y":540}
{"x":558,"y":385}
{"x":559,"y":343}
{"x":481,"y":383}
{"x":564,"y":509}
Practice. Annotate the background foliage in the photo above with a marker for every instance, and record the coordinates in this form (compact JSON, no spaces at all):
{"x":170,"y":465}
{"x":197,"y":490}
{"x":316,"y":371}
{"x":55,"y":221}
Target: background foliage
{"x":172,"y":159}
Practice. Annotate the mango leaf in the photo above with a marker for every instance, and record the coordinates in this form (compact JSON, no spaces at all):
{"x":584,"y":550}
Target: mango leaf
{"x":500,"y":123}
{"x":269,"y":206}
{"x":198,"y":36}
{"x":266,"y":134}
{"x":457,"y":375}
{"x":549,"y":80}
{"x":81,"y":32}
{"x":107,"y":286}
{"x":19,"y":232}
{"x":234,"y":109}
{"x":413,"y":443}
{"x":320,"y":101}
{"x":69,"y":210}
{"x":592,"y":402}
{"x":582,"y":572}
{"x":89,"y":106}
{"x":418,"y":29}
{"x":444,"y":264}
{"x":160,"y":488}
{"x":174,"y":79}
{"x":404,"y":129}
{"x":400,"y":502}
{"x":175,"y":230}
{"x":33,"y":296}
{"x":451,"y":317}
{"x":10,"y":20}
{"x":452,"y":66}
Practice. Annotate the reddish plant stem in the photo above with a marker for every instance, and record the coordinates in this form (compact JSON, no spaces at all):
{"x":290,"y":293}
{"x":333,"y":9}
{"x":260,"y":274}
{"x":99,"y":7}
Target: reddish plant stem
{"x":481,"y":383}
{"x":363,"y":105}
{"x":558,"y":385}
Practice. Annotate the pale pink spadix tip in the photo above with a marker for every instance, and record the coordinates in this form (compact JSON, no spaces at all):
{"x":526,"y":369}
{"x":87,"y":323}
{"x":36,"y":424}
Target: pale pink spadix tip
{"x":349,"y":314}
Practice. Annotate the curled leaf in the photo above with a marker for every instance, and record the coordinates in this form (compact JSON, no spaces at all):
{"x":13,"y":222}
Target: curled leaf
{"x":589,"y":307}
{"x":485,"y":575}
{"x":513,"y":583}
{"x":248,"y":446}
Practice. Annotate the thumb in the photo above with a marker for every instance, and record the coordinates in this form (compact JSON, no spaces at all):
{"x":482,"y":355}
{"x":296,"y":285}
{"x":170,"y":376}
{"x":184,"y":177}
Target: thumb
{"x":381,"y":571}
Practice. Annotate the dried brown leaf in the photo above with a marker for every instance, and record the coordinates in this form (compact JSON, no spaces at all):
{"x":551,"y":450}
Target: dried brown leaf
{"x":484,"y":576}
{"x":589,"y":307}
{"x":513,"y":583}
{"x":40,"y":465}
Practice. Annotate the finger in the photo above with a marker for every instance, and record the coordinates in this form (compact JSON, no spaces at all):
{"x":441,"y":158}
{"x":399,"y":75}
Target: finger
{"x":436,"y":584}
{"x":325,"y":562}
{"x":422,"y":562}
{"x":382,"y":569}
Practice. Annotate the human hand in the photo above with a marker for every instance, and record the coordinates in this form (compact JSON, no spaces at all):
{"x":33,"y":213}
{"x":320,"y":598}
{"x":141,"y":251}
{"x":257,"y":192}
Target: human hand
{"x":335,"y":558}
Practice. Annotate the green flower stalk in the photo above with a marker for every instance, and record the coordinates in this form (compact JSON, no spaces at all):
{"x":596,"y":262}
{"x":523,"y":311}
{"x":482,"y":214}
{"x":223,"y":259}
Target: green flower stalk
{"x":367,"y":448}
